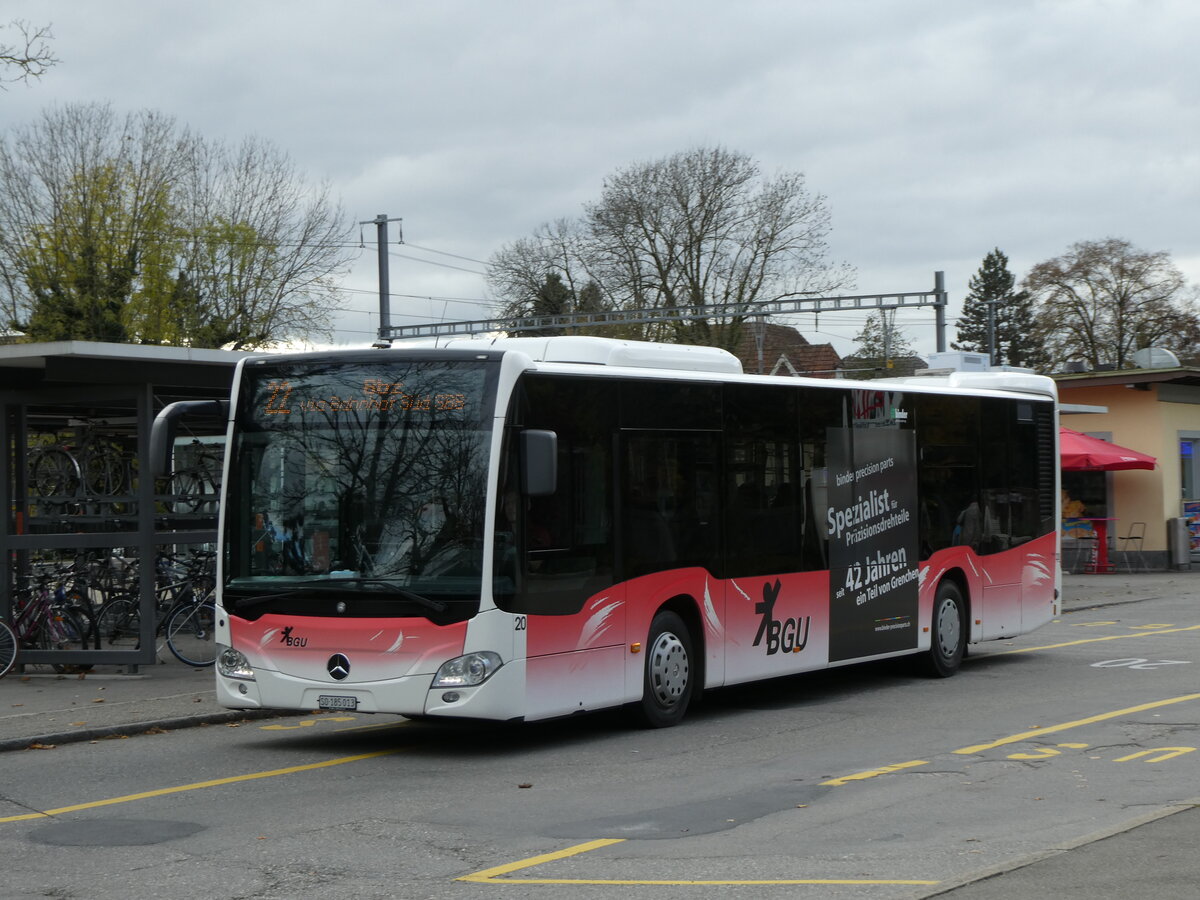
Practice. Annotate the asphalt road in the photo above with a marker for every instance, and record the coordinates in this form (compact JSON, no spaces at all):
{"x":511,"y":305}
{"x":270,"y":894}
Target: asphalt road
{"x":1051,"y":764}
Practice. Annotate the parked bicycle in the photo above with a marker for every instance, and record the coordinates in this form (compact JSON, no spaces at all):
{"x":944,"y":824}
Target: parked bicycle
{"x":8,"y":648}
{"x":196,"y":483}
{"x":46,"y":615}
{"x":185,"y":612}
{"x":86,"y":469}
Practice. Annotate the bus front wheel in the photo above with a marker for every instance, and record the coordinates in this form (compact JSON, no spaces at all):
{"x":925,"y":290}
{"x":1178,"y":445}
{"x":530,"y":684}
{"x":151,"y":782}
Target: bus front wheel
{"x":668,"y":672}
{"x":949,"y":644}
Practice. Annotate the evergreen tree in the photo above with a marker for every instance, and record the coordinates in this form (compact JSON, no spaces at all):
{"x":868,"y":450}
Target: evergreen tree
{"x":880,"y":345}
{"x":552,"y":298}
{"x":1015,"y":341}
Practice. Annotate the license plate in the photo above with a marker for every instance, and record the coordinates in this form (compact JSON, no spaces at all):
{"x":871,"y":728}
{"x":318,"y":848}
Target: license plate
{"x":329,"y":701}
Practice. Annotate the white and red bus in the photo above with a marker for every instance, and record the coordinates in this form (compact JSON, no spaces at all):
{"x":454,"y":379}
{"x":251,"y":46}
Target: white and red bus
{"x":527,"y":528}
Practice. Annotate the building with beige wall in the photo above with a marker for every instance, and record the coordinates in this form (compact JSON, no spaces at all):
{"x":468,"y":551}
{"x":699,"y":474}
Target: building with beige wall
{"x":1155,"y":411}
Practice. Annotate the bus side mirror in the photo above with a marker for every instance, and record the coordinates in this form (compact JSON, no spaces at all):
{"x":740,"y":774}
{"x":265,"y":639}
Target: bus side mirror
{"x":539,"y":462}
{"x":162,"y":432}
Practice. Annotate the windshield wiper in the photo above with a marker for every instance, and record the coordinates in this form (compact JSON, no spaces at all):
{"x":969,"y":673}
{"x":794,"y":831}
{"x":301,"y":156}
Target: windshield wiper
{"x":391,"y":588}
{"x":337,"y":585}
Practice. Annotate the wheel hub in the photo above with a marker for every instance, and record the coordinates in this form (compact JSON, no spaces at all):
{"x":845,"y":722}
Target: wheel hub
{"x":668,"y":669}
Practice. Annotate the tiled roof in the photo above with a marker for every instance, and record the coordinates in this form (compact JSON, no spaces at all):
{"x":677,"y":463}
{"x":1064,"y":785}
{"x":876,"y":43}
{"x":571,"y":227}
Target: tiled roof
{"x":786,"y":352}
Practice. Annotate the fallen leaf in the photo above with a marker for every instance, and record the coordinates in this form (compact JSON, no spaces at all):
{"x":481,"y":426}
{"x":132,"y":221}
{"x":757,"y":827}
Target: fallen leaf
{"x":98,"y":700}
{"x":232,"y":724}
{"x":37,"y":746}
{"x":527,"y":784}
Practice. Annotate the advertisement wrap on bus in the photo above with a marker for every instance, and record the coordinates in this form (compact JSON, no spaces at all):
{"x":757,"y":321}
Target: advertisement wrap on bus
{"x":520,"y":529}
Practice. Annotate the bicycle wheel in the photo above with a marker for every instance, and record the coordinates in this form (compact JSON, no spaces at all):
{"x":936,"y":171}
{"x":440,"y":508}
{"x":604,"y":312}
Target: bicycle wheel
{"x":8,"y":649}
{"x":190,"y":637}
{"x":119,"y":624}
{"x":191,"y":491}
{"x":53,"y":476}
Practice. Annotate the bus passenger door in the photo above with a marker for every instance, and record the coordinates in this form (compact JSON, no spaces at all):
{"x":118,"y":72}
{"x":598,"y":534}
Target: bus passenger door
{"x":670,"y":535}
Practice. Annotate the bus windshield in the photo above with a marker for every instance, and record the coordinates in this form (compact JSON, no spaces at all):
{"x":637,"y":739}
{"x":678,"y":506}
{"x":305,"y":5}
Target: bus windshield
{"x":362,"y":478}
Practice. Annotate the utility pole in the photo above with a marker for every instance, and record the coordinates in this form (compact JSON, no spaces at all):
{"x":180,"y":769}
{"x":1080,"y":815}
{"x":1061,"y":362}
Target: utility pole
{"x":385,"y":310}
{"x":939,"y":309}
{"x":991,"y":331}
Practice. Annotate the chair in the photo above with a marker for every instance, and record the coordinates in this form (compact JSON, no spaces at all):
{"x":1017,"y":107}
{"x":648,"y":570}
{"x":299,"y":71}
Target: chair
{"x":1131,"y":545}
{"x":1079,"y":536}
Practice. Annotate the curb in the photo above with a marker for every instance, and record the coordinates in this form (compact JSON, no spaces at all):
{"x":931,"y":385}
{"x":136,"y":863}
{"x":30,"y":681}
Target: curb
{"x":46,"y":741}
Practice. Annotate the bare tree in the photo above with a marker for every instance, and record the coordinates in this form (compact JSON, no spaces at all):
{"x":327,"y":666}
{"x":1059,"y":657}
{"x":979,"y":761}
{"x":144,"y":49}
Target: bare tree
{"x":263,"y":247}
{"x":1102,"y":300}
{"x":29,"y":57}
{"x":134,"y":229}
{"x":518,"y":271}
{"x":698,"y":227}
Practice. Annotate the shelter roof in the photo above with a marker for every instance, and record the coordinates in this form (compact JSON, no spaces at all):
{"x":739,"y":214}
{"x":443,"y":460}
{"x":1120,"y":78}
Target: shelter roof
{"x":65,"y":363}
{"x":1186,"y":375}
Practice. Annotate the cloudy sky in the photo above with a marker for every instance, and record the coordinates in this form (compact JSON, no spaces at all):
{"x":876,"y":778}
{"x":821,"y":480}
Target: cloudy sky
{"x":936,"y":131}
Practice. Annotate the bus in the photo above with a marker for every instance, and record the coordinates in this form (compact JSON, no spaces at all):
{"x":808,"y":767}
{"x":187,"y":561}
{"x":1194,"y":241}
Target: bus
{"x":526,"y":528}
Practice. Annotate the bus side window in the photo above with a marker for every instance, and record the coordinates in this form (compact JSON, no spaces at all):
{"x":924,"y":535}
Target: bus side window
{"x":562,"y":551}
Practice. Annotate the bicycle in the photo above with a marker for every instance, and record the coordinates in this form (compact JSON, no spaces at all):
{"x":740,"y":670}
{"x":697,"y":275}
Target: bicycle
{"x":188,"y":612}
{"x":44,"y":619}
{"x":8,"y":648}
{"x":196,"y":484}
{"x":94,"y":468}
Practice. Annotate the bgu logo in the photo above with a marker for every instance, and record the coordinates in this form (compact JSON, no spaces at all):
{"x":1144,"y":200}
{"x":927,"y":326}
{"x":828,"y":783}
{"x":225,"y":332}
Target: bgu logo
{"x":788,"y":635}
{"x":286,"y":638}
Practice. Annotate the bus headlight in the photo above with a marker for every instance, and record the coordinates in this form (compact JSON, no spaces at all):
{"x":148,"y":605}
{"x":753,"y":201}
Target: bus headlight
{"x":233,"y":664}
{"x":469,"y":670}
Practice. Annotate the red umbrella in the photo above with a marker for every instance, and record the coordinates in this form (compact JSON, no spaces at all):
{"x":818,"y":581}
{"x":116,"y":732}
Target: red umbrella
{"x":1080,"y":452}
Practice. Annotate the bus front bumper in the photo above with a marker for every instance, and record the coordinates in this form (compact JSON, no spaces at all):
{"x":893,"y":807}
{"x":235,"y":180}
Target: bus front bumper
{"x":500,"y":698}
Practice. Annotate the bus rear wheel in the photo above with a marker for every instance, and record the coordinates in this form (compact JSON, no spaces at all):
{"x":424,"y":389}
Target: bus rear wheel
{"x":668,"y":673}
{"x":949,"y":644}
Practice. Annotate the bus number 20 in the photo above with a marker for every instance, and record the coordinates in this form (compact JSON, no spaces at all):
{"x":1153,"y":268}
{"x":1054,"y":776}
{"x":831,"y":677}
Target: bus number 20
{"x":520,"y":623}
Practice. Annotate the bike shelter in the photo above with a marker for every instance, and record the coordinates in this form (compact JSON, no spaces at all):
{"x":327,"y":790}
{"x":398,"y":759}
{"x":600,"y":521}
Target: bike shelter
{"x":76,"y":436}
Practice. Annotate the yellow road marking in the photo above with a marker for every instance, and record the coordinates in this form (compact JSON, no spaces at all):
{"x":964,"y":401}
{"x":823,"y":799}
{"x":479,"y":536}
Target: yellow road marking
{"x":1109,"y":637}
{"x":871,"y":773}
{"x":1052,"y":729}
{"x":199,"y":785}
{"x":495,"y":874}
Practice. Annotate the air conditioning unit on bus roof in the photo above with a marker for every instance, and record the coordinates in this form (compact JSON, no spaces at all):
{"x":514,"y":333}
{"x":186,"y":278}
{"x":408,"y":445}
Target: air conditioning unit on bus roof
{"x":609,"y":352}
{"x":959,"y":361}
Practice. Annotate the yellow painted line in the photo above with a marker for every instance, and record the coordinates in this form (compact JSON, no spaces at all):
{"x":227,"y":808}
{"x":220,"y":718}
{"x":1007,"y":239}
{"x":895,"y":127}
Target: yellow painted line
{"x":1065,"y":726}
{"x":495,"y":874}
{"x":871,"y":773}
{"x":1109,"y":637}
{"x":199,"y":785}
{"x":497,"y":871}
